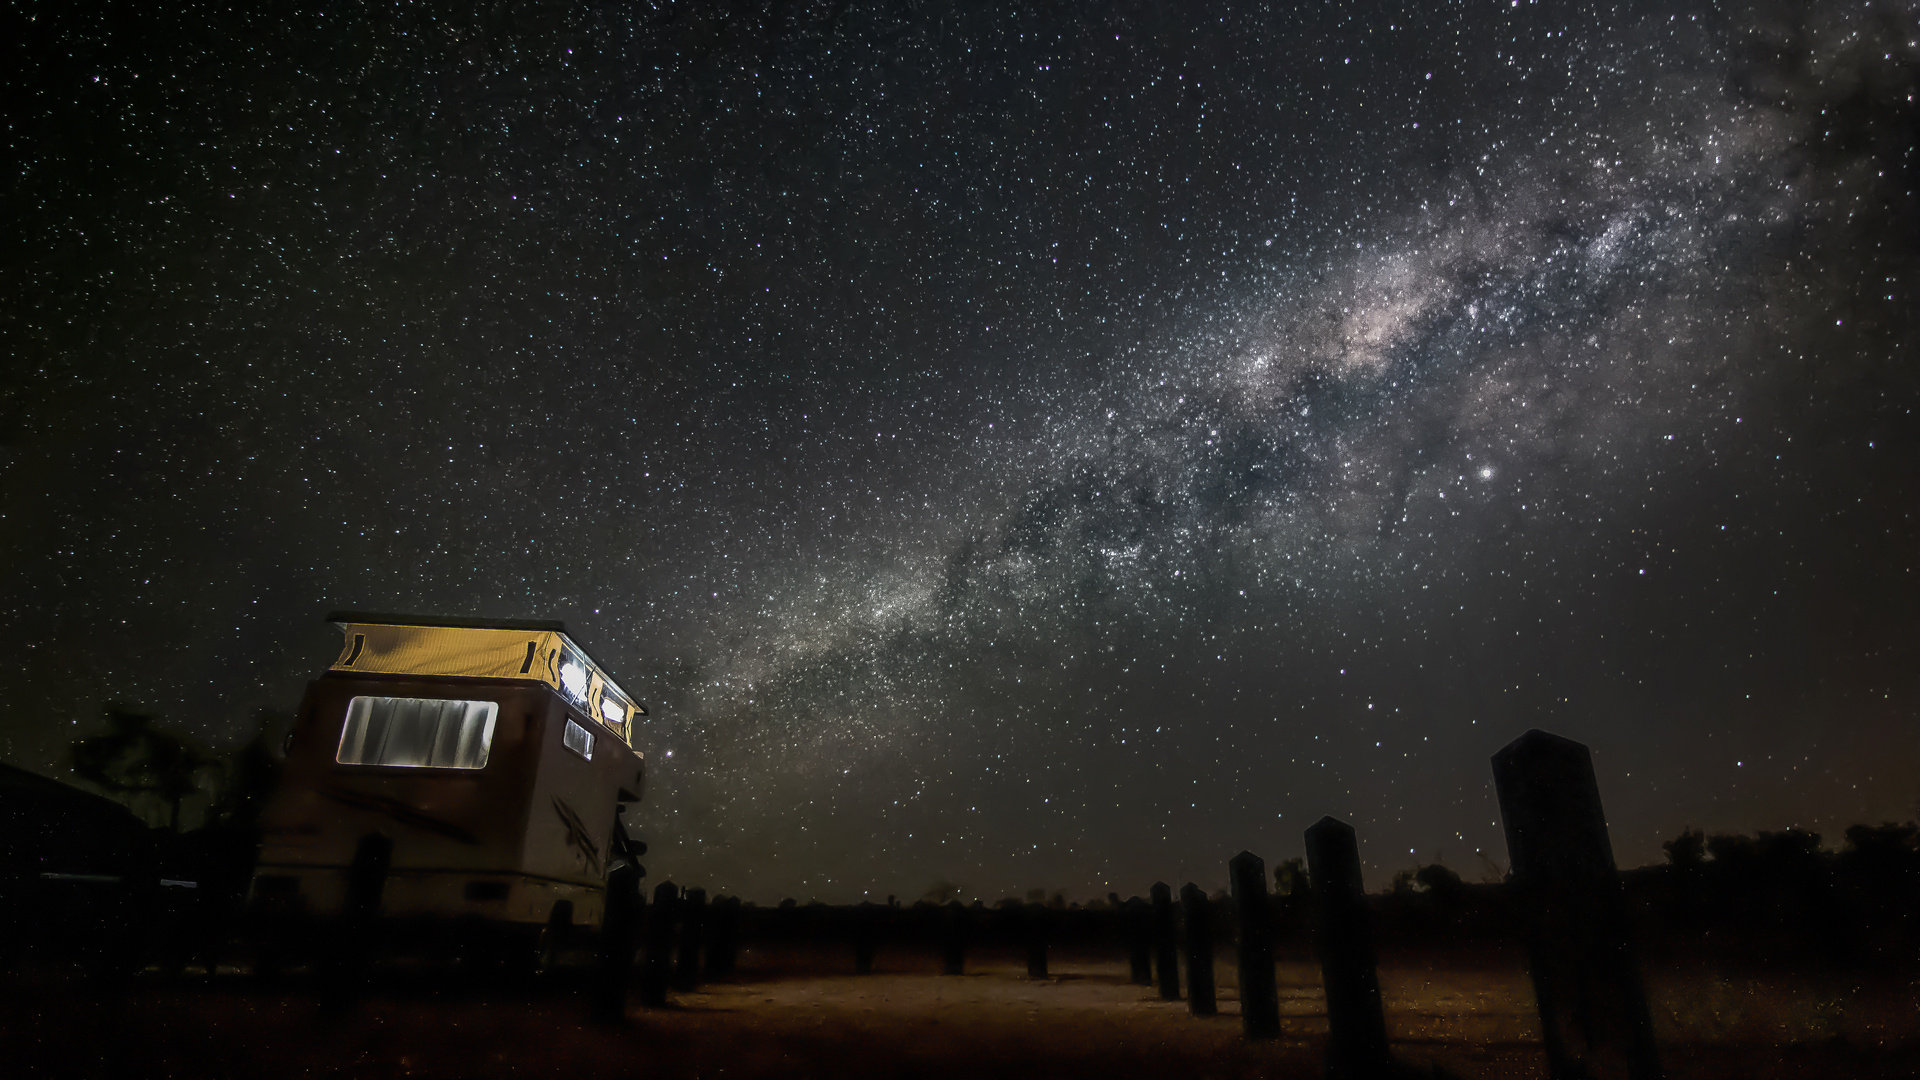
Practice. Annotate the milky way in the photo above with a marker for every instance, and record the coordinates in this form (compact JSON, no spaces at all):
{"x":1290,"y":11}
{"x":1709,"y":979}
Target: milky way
{"x":1005,"y":451}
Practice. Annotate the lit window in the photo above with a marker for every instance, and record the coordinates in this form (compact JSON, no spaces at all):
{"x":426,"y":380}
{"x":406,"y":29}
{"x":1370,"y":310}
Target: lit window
{"x":434,"y":733}
{"x":574,"y":678}
{"x":578,"y":739}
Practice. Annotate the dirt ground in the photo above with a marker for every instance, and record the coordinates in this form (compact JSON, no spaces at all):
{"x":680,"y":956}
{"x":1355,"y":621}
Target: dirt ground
{"x":781,"y":1018}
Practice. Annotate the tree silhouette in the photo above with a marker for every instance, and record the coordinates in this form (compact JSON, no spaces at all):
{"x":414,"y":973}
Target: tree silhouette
{"x":1890,"y":840}
{"x":249,"y":774}
{"x":1440,"y":881}
{"x":942,"y":891}
{"x":1290,"y":877}
{"x":1688,"y":850}
{"x":1885,"y":853}
{"x":133,"y":758}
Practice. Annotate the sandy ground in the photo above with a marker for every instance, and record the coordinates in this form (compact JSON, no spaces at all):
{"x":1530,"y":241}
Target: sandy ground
{"x":781,"y":1020}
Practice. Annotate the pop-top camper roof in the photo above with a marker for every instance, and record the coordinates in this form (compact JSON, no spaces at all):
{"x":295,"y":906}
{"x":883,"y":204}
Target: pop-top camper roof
{"x":432,"y":645}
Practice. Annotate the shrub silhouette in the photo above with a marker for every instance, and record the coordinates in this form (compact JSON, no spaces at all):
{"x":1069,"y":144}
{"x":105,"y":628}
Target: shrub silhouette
{"x":1440,"y":881}
{"x":1688,"y":850}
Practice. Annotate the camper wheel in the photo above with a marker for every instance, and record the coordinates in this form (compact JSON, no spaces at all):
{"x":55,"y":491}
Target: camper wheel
{"x":554,"y":938}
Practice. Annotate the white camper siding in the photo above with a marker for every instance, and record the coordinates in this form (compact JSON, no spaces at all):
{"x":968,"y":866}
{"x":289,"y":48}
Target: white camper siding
{"x":570,"y":812}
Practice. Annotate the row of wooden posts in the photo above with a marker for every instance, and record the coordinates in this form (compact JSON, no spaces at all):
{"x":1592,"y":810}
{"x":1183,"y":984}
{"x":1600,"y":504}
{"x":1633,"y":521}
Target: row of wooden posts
{"x":685,"y":930}
{"x":1586,"y":978}
{"x":1343,"y":938}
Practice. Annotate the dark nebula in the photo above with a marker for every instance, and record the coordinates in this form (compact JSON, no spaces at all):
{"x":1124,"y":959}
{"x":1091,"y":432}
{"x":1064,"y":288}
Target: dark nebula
{"x":1004,"y":448}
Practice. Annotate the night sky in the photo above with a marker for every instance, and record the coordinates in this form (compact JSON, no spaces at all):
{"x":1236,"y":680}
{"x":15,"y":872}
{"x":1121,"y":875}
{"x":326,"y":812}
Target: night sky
{"x":1010,"y":446}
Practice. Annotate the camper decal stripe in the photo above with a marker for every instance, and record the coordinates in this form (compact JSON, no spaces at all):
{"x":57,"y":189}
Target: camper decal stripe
{"x":400,"y":812}
{"x":577,"y":837}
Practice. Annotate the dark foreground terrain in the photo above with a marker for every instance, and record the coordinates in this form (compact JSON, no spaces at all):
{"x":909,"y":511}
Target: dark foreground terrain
{"x":790,"y":1014}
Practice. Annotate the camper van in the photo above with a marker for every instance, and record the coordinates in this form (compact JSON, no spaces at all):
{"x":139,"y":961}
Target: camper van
{"x":494,"y":757}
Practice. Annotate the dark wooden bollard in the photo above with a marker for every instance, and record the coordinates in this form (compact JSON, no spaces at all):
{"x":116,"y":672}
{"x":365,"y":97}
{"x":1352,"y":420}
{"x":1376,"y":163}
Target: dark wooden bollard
{"x":346,"y":963}
{"x":723,"y":936}
{"x":1033,"y":929}
{"x":693,"y":932}
{"x":656,"y":975}
{"x":1593,"y":1006}
{"x":866,"y":920}
{"x":1259,"y":996}
{"x":1137,"y":919}
{"x":1356,"y":1022}
{"x":619,"y":937}
{"x":1199,"y":912}
{"x":954,"y":931}
{"x":1164,"y":955}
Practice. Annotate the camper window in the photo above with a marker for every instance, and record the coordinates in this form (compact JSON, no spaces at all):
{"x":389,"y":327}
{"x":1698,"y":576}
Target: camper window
{"x":578,"y":739}
{"x":433,"y":733}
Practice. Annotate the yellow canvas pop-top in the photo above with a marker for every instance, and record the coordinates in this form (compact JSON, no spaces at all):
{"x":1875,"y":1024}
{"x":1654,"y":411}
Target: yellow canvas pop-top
{"x":543,"y":652}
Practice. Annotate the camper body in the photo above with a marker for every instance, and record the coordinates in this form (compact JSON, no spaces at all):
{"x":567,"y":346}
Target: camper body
{"x":495,"y":756}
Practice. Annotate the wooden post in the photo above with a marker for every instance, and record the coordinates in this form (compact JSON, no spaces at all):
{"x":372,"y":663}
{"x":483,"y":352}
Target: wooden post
{"x":359,"y":914}
{"x":723,"y":936}
{"x":619,"y":937}
{"x":1137,"y":920}
{"x":1033,"y":927}
{"x":1199,"y":911}
{"x":1259,"y":996}
{"x":657,"y":975}
{"x":953,"y":939}
{"x":865,"y":918}
{"x":1586,"y":979}
{"x":693,"y":926}
{"x":1163,"y":941}
{"x":1356,"y":1021}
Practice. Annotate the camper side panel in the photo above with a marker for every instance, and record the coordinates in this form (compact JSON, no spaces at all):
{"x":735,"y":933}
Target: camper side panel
{"x":449,"y":826}
{"x":582,"y":776}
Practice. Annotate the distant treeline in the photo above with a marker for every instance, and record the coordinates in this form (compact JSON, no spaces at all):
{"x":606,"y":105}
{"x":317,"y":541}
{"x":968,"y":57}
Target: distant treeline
{"x":1777,"y":897}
